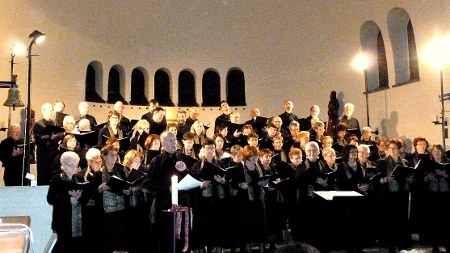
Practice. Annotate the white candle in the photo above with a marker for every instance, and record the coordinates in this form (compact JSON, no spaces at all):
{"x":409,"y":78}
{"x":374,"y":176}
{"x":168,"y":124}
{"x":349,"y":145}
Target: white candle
{"x":175,"y":190}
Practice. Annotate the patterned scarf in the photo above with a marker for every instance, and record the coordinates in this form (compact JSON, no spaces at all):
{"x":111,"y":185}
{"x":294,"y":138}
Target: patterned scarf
{"x":111,"y":202}
{"x":248,"y":179}
{"x":207,"y":191}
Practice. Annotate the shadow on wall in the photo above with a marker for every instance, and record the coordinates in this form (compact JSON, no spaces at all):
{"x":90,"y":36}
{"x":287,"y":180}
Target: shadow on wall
{"x":389,"y":130}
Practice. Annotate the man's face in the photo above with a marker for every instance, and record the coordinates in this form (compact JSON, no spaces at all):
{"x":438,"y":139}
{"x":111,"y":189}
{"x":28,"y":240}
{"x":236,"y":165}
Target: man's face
{"x":224,"y":107}
{"x":46,"y":111}
{"x":159,"y":116}
{"x":169,"y":143}
{"x":277,"y":122}
{"x":254,"y":113}
{"x":83,"y":108}
{"x":14,"y":133}
{"x":119,"y":107}
{"x":265,"y":159}
{"x":235,"y":117}
{"x":194,"y":113}
{"x":288,"y":106}
{"x":348,"y":111}
{"x":58,"y":107}
{"x":366,"y":135}
{"x":152,"y":106}
{"x":315,"y":111}
{"x":181,"y":118}
{"x":271,"y":131}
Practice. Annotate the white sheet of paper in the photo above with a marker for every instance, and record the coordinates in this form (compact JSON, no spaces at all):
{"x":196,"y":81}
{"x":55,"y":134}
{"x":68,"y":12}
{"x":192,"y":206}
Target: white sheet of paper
{"x":187,"y":183}
{"x":328,"y":195}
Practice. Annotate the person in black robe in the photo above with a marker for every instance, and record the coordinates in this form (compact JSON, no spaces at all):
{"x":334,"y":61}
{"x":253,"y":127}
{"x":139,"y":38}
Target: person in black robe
{"x":11,"y":155}
{"x":46,"y":145}
{"x":158,"y":181}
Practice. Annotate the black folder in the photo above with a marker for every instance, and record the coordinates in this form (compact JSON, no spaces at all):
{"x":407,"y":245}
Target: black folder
{"x":135,"y":176}
{"x":402,"y":172}
{"x":429,"y":166}
{"x":87,"y":138}
{"x":74,"y":186}
{"x":128,"y":125}
{"x":117,"y":183}
{"x":142,"y":138}
{"x":52,"y":129}
{"x":99,"y":126}
{"x":209,"y":170}
{"x":373,"y":178}
{"x":124,"y":143}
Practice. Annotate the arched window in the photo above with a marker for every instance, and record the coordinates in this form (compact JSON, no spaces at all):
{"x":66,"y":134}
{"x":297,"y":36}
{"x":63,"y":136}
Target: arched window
{"x":236,"y":87}
{"x":115,"y":85}
{"x":211,"y":88}
{"x":372,"y":44}
{"x":138,"y":88}
{"x":403,"y":42}
{"x":93,"y":82}
{"x":186,"y":89}
{"x":162,"y":88}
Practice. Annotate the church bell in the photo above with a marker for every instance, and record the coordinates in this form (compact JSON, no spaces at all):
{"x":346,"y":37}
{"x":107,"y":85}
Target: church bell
{"x":13,"y":99}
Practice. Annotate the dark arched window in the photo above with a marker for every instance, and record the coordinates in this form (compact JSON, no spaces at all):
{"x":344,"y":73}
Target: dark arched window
{"x":236,"y":87}
{"x":138,"y":88}
{"x":162,"y":88}
{"x":93,"y":83}
{"x":186,"y":89}
{"x":372,"y":44}
{"x":211,"y":88}
{"x":114,"y":86}
{"x":403,"y":43}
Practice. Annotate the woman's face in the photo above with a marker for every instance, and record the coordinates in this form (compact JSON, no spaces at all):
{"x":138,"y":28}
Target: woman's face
{"x":198,"y":128}
{"x":219,"y":143}
{"x":352,"y":154}
{"x":330,"y":158}
{"x":209,"y":151}
{"x":320,"y":131}
{"x":113,"y":120}
{"x":362,"y":155}
{"x":96,"y":163}
{"x":70,"y":167}
{"x":71,"y":144}
{"x":252,"y":161}
{"x":173,"y":130}
{"x":224,"y":131}
{"x":69,"y":126}
{"x":421,"y":147}
{"x":382,"y":146}
{"x":296,"y":159}
{"x":265,"y":159}
{"x":326,"y":143}
{"x":277,"y":144}
{"x":135,"y":162}
{"x":437,"y":154}
{"x":110,"y":158}
{"x":156,"y":144}
{"x":393,"y":151}
{"x":312,"y":153}
{"x":341,"y":134}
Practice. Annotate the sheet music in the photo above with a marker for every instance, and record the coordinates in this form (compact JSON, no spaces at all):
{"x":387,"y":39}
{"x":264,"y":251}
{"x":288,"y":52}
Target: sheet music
{"x":328,"y":195}
{"x":187,"y":183}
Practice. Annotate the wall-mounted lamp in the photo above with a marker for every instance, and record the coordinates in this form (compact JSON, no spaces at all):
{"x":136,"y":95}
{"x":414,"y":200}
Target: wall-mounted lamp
{"x":361,"y":63}
{"x":437,"y":54}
